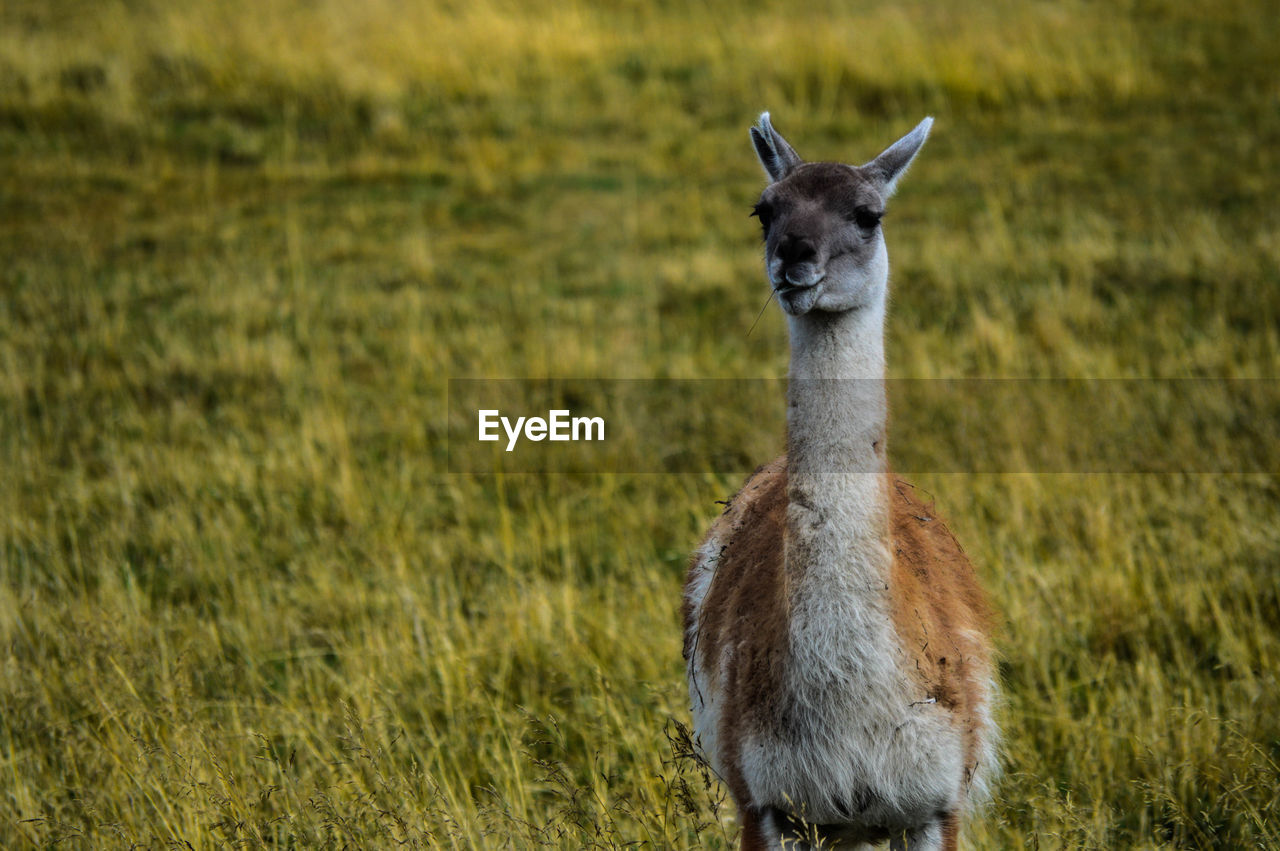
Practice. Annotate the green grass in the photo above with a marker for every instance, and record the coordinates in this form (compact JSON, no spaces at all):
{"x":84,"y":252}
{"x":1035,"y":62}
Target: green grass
{"x":245,"y":244}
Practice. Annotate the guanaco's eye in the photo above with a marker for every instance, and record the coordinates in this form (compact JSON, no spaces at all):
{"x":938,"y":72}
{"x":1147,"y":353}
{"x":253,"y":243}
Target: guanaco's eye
{"x":866,"y":218}
{"x":764,"y":213}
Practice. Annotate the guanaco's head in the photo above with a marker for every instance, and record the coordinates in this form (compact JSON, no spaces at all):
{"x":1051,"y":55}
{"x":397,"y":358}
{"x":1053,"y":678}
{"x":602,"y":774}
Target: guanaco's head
{"x":823,"y":245}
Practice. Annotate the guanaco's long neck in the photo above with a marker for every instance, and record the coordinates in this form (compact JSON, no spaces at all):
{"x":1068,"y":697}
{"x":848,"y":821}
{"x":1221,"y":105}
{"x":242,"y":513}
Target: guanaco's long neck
{"x":838,"y":516}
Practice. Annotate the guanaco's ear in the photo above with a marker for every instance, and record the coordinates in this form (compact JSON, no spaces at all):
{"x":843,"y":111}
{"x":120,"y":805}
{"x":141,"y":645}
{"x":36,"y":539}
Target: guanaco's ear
{"x":775,"y":154}
{"x":892,"y":164}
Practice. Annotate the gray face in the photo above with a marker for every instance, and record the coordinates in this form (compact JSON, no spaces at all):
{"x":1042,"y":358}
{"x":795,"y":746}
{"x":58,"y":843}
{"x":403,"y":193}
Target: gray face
{"x":823,"y":246}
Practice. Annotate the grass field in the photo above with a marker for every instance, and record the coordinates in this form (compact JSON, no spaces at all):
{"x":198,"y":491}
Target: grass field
{"x":244,"y":245}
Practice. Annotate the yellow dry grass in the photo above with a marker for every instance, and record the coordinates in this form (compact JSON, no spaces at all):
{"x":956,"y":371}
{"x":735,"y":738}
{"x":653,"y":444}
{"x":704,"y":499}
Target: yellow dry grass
{"x":245,"y":244}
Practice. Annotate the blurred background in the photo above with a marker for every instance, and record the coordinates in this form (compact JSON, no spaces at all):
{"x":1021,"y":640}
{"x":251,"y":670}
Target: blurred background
{"x":244,"y":245}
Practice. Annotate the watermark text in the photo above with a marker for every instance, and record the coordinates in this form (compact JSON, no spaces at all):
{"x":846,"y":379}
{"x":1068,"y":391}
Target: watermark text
{"x":558,"y":425}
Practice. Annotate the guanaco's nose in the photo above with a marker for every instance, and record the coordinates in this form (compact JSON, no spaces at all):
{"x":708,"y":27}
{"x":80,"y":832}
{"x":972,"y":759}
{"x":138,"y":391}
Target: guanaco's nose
{"x":794,"y":249}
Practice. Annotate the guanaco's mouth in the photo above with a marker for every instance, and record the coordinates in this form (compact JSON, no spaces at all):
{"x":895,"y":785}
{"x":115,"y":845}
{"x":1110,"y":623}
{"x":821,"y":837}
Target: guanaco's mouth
{"x":798,"y":300}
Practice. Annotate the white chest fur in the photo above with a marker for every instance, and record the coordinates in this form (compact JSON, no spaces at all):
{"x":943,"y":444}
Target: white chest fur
{"x":854,"y":741}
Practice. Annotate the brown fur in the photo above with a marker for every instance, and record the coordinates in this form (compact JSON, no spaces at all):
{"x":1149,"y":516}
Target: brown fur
{"x":939,"y":610}
{"x":753,"y":835}
{"x":951,"y":832}
{"x":940,"y":614}
{"x":747,"y":602}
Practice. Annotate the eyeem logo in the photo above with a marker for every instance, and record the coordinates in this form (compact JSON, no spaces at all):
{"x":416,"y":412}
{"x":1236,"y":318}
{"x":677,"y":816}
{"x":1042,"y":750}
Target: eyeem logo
{"x":559,"y":425}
